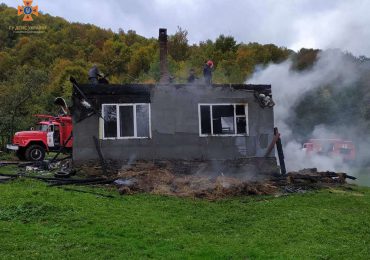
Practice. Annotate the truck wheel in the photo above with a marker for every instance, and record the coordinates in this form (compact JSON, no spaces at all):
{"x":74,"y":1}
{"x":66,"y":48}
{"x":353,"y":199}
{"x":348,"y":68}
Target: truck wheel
{"x":21,"y":154}
{"x":35,"y":153}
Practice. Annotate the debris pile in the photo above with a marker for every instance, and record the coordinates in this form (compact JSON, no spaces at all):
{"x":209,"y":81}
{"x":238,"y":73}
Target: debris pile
{"x":43,"y":170}
{"x":150,"y":178}
{"x":164,"y":180}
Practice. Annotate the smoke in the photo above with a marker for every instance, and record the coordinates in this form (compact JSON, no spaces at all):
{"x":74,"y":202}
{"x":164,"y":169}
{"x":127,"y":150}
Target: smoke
{"x":289,"y":87}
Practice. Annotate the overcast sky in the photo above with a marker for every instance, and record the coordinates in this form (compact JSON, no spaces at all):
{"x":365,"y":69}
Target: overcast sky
{"x":323,"y":24}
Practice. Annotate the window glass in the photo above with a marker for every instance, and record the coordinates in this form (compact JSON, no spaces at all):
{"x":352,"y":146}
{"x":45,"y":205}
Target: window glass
{"x":142,"y":120}
{"x":240,"y":110}
{"x":131,"y":120}
{"x":110,"y":121}
{"x":126,"y":114}
{"x":205,"y":122}
{"x":223,"y":119}
{"x":40,"y":127}
{"x":241,"y":125}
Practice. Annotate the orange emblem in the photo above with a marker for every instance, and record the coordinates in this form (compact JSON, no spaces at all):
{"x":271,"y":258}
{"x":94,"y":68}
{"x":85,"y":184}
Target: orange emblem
{"x":28,"y":10}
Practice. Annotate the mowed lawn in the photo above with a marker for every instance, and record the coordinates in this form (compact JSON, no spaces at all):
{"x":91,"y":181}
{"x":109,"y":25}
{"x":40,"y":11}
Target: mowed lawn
{"x":40,"y":222}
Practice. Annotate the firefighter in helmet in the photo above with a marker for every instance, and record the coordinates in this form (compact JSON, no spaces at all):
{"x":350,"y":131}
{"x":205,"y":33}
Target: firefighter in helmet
{"x":207,"y":72}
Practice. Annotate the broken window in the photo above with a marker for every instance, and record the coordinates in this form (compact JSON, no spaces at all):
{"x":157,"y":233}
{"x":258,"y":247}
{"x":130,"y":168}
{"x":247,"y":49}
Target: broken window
{"x":131,"y":121}
{"x":241,"y":119}
{"x":223,"y":119}
{"x":126,"y":120}
{"x":110,"y":121}
{"x":205,"y":120}
{"x":142,"y":120}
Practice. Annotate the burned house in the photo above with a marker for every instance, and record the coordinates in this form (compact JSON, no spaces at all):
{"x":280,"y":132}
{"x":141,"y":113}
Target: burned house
{"x":207,"y":128}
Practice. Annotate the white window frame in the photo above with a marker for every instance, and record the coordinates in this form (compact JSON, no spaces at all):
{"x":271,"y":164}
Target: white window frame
{"x":235,"y":116}
{"x":134,"y":105}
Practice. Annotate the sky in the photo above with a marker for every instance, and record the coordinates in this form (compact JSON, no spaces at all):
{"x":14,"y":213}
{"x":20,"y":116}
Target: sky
{"x":294,"y":24}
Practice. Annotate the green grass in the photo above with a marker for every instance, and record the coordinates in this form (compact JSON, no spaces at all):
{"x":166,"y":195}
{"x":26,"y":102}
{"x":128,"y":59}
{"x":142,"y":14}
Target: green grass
{"x":37,"y":221}
{"x":7,"y":156}
{"x":10,"y":169}
{"x":10,"y":156}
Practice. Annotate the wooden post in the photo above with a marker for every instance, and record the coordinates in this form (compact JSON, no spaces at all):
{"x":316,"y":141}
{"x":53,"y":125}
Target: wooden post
{"x":279,"y":148}
{"x":272,"y":144}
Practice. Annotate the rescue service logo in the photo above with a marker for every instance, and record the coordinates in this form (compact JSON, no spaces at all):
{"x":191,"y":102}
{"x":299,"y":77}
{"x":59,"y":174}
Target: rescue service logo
{"x":27,"y":10}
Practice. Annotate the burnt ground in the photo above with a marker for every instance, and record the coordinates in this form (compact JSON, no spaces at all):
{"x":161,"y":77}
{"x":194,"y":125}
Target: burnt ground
{"x":154,"y":179}
{"x":171,"y":180}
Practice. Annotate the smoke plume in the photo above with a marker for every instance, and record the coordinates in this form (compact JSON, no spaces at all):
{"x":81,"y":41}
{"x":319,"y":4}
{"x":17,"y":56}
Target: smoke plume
{"x":289,"y":87}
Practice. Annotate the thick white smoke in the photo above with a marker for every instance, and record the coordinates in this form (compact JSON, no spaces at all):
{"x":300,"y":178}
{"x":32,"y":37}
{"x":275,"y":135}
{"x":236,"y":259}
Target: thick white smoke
{"x":289,"y":86}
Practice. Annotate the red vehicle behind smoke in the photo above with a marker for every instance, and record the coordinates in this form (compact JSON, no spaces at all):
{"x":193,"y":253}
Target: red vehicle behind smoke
{"x":339,"y":148}
{"x":49,"y":135}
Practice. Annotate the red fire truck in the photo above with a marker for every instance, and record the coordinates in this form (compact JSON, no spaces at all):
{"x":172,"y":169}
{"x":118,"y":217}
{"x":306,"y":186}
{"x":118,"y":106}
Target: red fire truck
{"x":343,"y":149}
{"x":50,"y":134}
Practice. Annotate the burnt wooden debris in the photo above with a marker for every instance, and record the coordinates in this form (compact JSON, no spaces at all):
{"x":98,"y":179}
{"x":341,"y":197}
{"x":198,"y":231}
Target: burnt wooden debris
{"x":137,"y":93}
{"x":279,"y":148}
{"x":272,"y":145}
{"x":276,"y":141}
{"x":159,"y":180}
{"x":311,"y":177}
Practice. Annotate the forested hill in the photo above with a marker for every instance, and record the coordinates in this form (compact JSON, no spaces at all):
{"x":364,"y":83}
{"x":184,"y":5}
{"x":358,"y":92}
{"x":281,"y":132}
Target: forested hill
{"x":127,"y":56}
{"x":34,"y":68}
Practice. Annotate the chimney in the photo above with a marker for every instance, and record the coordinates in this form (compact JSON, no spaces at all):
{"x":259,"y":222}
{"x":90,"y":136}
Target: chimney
{"x":165,"y":78}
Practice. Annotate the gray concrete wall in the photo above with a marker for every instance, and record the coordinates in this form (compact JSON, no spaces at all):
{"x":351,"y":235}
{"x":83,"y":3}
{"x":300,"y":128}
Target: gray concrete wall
{"x":175,"y":129}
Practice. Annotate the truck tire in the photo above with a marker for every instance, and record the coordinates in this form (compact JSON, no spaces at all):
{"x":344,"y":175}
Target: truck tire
{"x":21,"y":154}
{"x":35,"y":153}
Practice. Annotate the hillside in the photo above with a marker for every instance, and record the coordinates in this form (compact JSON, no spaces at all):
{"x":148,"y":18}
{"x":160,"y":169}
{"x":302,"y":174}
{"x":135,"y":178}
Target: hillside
{"x":34,"y":69}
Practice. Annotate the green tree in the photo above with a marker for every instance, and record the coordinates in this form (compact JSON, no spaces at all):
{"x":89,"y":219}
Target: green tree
{"x":305,"y":58}
{"x":115,"y":56}
{"x":225,"y":44}
{"x":140,"y":61}
{"x":178,"y":46}
{"x":17,"y":98}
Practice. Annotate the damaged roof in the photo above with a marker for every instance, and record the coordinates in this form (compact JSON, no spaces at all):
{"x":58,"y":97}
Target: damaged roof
{"x":144,"y":89}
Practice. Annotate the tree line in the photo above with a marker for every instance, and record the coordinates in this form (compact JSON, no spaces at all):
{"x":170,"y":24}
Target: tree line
{"x":35,"y":68}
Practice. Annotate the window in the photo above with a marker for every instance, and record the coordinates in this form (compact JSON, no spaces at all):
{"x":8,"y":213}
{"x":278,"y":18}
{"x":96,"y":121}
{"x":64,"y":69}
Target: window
{"x":126,"y":121}
{"x":40,"y":127}
{"x":223,"y":119}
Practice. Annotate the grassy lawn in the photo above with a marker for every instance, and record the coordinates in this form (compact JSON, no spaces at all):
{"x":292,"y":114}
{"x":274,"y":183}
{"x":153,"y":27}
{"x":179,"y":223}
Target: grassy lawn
{"x":37,"y":221}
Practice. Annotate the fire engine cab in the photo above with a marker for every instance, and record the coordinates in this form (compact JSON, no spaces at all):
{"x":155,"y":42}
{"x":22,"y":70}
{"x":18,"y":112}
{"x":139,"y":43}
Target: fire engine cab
{"x":50,"y":134}
{"x":343,"y":149}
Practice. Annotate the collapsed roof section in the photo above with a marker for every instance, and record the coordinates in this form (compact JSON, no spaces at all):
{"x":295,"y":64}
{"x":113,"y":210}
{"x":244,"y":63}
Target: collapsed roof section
{"x":141,"y":92}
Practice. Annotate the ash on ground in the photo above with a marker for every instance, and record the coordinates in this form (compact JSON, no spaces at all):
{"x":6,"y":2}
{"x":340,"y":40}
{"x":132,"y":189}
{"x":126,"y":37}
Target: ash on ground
{"x":154,"y":179}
